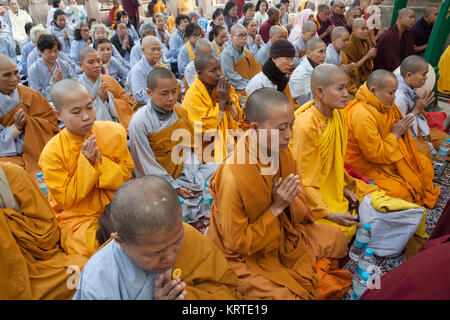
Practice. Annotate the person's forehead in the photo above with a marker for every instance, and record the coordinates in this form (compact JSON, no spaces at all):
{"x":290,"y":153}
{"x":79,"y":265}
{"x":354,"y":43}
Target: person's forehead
{"x":166,"y":83}
{"x":77,"y":98}
{"x":279,"y":114}
{"x":7,"y":67}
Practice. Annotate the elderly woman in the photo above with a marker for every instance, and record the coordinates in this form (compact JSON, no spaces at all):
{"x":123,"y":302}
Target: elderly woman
{"x":122,"y":41}
{"x":100,"y":31}
{"x":82,"y":38}
{"x":131,"y":31}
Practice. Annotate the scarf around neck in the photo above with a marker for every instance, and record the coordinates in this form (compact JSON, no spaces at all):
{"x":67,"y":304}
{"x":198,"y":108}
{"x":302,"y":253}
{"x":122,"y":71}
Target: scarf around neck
{"x":162,"y":114}
{"x":275,"y":75}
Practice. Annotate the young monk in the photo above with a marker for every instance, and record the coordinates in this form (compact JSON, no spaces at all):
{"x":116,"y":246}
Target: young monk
{"x":275,"y":33}
{"x":82,"y":165}
{"x":360,"y":51}
{"x":27,"y":120}
{"x":319,"y":144}
{"x":33,"y":264}
{"x":381,"y":147}
{"x":201,"y":46}
{"x":260,"y":219}
{"x":300,"y":79}
{"x":309,"y":30}
{"x":110,"y":100}
{"x":238,"y":64}
{"x":413,"y":75}
{"x":151,"y":255}
{"x":151,"y":143}
{"x":212,"y":103}
{"x":335,"y":50}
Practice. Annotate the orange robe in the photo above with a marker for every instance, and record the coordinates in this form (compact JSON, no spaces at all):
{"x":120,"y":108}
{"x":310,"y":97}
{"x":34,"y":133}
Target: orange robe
{"x":354,"y":51}
{"x":32,"y":262}
{"x":274,"y":257}
{"x":80,"y":191}
{"x":319,"y":145}
{"x":41,"y":126}
{"x":205,"y":270}
{"x":122,"y":102}
{"x":394,"y":164}
{"x":247,"y":68}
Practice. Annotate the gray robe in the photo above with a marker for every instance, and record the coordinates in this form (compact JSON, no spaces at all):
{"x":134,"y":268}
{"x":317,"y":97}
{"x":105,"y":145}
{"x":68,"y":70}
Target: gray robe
{"x":9,"y":145}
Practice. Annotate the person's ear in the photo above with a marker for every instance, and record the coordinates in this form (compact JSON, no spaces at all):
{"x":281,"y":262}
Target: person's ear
{"x":116,"y":238}
{"x":149,"y":92}
{"x":58,"y":115}
{"x":254,"y":126}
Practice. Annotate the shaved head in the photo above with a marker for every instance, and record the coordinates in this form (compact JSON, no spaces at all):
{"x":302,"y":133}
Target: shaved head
{"x":203,"y":60}
{"x":158,"y":74}
{"x":5,"y":61}
{"x":203,"y":45}
{"x":236,"y":28}
{"x":412,"y":64}
{"x":429,"y":9}
{"x":149,"y":41}
{"x":351,"y":10}
{"x":404,"y":12}
{"x":324,"y":75}
{"x":338,"y":32}
{"x":62,"y":88}
{"x":144,"y":206}
{"x":272,"y":10}
{"x":311,"y":44}
{"x":309,"y":26}
{"x":84,"y":51}
{"x":359,"y":22}
{"x":261,"y":102}
{"x":275,"y":30}
{"x":379,"y":79}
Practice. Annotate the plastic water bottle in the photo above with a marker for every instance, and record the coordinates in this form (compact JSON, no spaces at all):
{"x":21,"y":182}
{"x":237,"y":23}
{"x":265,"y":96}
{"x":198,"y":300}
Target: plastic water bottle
{"x":365,"y":260}
{"x":359,"y":284}
{"x":441,"y":157}
{"x":362,"y":239}
{"x":184,"y":209}
{"x":41,"y":183}
{"x":207,"y":200}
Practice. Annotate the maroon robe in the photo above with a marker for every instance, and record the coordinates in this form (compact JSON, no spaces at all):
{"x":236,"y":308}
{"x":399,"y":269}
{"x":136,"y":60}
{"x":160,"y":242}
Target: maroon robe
{"x":338,"y":20}
{"x":391,"y":50}
{"x":322,"y":26}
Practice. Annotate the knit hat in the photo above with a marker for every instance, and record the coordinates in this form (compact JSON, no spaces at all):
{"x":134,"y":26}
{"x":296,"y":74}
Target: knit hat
{"x":282,"y":48}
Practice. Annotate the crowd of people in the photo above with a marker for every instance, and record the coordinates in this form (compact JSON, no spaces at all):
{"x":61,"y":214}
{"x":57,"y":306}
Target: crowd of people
{"x":272,"y":126}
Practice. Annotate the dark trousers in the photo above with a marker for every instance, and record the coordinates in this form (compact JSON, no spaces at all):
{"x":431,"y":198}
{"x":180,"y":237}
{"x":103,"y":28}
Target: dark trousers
{"x":135,"y":22}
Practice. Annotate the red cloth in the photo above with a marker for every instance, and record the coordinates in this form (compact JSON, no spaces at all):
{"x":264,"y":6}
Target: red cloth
{"x":323,"y":27}
{"x":355,"y":174}
{"x":436,"y":120}
{"x":442,"y":227}
{"x":240,"y":7}
{"x":422,"y":277}
{"x":264,"y":30}
{"x":131,"y":7}
{"x":391,"y":51}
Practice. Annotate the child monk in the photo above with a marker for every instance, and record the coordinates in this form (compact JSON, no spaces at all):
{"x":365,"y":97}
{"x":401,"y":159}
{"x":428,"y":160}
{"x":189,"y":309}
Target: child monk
{"x":82,"y":165}
{"x":111,"y":102}
{"x":335,"y":50}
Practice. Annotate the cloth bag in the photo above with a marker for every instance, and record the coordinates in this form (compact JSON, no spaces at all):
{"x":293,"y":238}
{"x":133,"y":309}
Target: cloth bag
{"x":390,"y":231}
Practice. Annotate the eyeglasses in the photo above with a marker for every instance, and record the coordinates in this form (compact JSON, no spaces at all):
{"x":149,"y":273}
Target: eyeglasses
{"x":242,"y":35}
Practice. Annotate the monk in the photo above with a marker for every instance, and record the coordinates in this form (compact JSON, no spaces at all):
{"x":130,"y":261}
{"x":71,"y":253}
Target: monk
{"x":300,"y":79}
{"x":151,"y":143}
{"x":319,"y":144}
{"x":443,"y":83}
{"x":350,"y":16}
{"x":238,"y":64}
{"x":381,"y":147}
{"x":422,"y":29}
{"x":27,"y":120}
{"x":260,"y":219}
{"x":413,"y":75}
{"x":275,"y":33}
{"x":274,"y":19}
{"x":360,"y":51}
{"x":309,"y":30}
{"x":201,"y":46}
{"x":396,"y":43}
{"x":137,"y":78}
{"x":213,"y":109}
{"x":337,"y":17}
{"x":335,"y":50}
{"x":82,"y":166}
{"x":33,"y":264}
{"x":110,"y":100}
{"x":324,"y":25}
{"x":152,"y":254}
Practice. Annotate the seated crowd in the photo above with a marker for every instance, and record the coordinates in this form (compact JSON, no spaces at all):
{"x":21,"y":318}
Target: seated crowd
{"x":271,"y":127}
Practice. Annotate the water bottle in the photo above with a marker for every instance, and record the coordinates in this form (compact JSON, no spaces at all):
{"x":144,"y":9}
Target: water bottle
{"x":184,"y":209}
{"x":359,"y":284}
{"x":362,"y":239}
{"x":243,"y":102}
{"x":207,"y":200}
{"x":365,"y":260}
{"x":41,"y":183}
{"x":441,"y":157}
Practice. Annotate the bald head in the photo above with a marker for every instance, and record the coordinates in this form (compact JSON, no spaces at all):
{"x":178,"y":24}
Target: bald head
{"x":359,"y":22}
{"x":157,"y":75}
{"x":324,"y":75}
{"x":312,"y":44}
{"x":338,"y":32}
{"x":379,"y":79}
{"x":144,"y":206}
{"x":236,"y":28}
{"x":5,"y":61}
{"x":84,"y":52}
{"x":309,"y":26}
{"x":405,"y":12}
{"x":275,"y":31}
{"x":272,"y":10}
{"x":430,"y":9}
{"x":203,"y":60}
{"x":62,"y":89}
{"x":412,"y":64}
{"x":149,"y":41}
{"x":202,"y":45}
{"x":264,"y":102}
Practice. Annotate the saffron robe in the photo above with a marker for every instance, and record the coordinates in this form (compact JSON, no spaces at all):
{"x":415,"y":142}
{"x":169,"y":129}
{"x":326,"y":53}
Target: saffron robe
{"x":319,"y":145}
{"x":274,"y":257}
{"x":41,"y":126}
{"x":211,"y":125}
{"x":32,"y":264}
{"x":80,"y":191}
{"x":443,"y":83}
{"x":394,"y":164}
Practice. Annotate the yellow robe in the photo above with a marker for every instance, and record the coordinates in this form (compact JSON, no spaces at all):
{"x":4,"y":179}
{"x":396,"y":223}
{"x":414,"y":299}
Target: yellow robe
{"x":32,"y":262}
{"x":79,"y":191}
{"x":394,"y":164}
{"x":247,"y":67}
{"x":319,"y":145}
{"x":274,"y":257}
{"x":204,"y":109}
{"x":205,"y":270}
{"x":443,"y":83}
{"x":122,"y":102}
